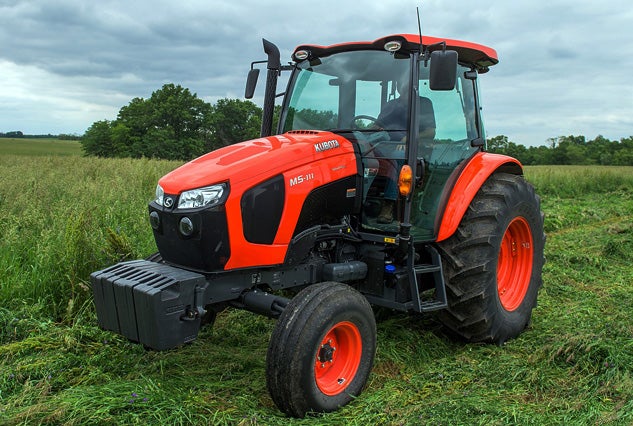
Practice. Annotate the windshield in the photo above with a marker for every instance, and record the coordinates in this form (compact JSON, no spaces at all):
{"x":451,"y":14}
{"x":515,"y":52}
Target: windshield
{"x":329,"y":92}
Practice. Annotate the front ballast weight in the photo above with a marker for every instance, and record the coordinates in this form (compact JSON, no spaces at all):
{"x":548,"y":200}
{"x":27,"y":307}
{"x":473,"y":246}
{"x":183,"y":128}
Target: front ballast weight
{"x":151,"y":303}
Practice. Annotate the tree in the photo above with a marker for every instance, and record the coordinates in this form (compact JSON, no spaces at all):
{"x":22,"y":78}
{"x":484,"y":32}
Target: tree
{"x":13,"y":134}
{"x":136,"y":118}
{"x":497,"y":144}
{"x":120,"y":137}
{"x":624,"y":155}
{"x":172,"y":124}
{"x":97,"y":139}
{"x":233,"y":120}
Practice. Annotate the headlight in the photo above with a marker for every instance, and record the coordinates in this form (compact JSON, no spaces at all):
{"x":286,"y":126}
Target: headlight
{"x":160,"y":194}
{"x":201,"y":197}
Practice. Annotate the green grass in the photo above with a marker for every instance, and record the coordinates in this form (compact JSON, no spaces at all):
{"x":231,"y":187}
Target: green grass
{"x":573,"y":181}
{"x":62,"y":218}
{"x":39,"y":147}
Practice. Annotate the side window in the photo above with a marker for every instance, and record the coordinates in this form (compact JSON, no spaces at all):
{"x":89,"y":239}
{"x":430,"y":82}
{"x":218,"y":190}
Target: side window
{"x":452,"y":118}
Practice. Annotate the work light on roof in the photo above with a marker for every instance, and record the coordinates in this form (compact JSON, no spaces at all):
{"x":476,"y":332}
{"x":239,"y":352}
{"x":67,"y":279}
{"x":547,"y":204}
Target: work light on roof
{"x":393,"y":46}
{"x":302,"y":54}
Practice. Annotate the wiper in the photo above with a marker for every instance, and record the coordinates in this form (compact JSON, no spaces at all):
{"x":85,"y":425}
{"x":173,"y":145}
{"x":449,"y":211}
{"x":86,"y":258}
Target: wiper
{"x":350,"y":130}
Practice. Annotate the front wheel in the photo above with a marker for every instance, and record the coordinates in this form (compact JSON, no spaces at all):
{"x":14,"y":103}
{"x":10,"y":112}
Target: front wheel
{"x":493,"y":262}
{"x":322,"y":350}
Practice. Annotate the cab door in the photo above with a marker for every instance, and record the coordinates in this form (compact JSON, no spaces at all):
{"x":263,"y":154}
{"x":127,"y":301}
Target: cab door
{"x":456,"y":128}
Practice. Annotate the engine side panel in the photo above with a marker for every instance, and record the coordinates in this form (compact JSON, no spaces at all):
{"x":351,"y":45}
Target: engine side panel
{"x":299,"y":183}
{"x":262,"y":207}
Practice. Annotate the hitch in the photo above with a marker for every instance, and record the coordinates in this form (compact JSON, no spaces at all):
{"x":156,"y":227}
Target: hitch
{"x":192,"y":314}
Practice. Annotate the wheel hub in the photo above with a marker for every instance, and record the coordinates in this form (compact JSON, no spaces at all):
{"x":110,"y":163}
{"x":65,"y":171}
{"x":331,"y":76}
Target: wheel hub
{"x":326,"y":353}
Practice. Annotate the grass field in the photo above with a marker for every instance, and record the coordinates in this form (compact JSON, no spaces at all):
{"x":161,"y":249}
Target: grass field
{"x":62,"y":218}
{"x":39,"y":147}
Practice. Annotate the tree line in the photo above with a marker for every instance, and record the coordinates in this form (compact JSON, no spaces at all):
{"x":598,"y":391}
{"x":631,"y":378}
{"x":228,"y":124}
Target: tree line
{"x":564,"y":150}
{"x":174,"y":123}
{"x":18,"y":134}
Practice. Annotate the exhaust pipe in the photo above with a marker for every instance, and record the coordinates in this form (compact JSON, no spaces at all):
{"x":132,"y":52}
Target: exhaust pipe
{"x":274,"y":69}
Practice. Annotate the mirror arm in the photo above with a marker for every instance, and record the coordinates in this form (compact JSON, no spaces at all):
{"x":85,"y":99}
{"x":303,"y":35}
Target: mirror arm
{"x":427,"y":52}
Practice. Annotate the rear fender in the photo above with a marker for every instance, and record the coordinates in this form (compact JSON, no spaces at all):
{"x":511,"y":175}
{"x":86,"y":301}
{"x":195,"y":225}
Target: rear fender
{"x":479,"y":168}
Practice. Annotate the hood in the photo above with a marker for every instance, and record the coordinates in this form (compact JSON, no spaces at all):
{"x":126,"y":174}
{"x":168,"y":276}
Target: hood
{"x":267,"y":156}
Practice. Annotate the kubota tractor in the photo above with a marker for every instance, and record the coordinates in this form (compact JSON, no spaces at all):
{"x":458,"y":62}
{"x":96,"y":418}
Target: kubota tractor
{"x":376,"y":190}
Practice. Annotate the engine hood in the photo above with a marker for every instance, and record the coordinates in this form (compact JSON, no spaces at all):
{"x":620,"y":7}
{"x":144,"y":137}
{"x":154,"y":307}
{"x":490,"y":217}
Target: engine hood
{"x":264,"y":156}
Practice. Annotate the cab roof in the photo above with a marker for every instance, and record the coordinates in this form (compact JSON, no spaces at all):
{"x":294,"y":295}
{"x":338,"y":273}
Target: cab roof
{"x":480,"y":56}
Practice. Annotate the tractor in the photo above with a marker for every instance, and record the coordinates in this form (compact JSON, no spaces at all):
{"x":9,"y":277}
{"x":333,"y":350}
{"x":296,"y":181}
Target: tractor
{"x":374,"y":192}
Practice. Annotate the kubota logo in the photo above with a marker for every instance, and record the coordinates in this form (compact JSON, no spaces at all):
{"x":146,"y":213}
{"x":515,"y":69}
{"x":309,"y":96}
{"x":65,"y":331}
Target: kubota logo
{"x":324,"y":146}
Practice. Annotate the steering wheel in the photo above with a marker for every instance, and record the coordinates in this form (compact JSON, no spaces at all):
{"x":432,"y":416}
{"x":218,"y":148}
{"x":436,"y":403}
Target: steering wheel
{"x":377,"y":137}
{"x":374,"y":121}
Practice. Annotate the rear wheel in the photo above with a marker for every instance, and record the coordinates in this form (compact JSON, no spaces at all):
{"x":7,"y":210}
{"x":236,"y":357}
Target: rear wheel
{"x":493,"y":262}
{"x":322,"y":350}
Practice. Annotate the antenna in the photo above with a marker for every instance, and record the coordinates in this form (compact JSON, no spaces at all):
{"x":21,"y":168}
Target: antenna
{"x":417,"y":9}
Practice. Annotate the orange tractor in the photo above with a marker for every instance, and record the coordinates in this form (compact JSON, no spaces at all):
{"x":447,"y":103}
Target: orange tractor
{"x":376,"y":190}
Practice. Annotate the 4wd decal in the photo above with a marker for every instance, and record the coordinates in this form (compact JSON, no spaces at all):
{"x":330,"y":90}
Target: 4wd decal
{"x":324,"y":146}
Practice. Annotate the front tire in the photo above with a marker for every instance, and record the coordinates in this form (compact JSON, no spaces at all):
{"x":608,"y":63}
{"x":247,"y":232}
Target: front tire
{"x":493,"y":262}
{"x":322,"y":350}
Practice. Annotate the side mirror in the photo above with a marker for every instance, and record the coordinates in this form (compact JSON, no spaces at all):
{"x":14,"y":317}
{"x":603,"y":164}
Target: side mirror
{"x":251,"y":83}
{"x":443,"y":72}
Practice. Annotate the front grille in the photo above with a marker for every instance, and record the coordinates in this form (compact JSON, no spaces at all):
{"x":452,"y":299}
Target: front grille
{"x":207,"y":249}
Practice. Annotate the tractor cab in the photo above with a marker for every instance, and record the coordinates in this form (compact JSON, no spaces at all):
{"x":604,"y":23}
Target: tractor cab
{"x":401,"y":103}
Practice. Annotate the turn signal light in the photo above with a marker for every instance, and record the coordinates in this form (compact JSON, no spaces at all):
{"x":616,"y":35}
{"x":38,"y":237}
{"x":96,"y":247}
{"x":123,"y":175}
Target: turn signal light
{"x":405,"y":180}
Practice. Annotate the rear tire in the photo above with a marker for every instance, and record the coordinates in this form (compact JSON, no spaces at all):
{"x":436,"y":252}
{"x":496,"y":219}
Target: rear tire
{"x":493,"y":262}
{"x":322,"y":350}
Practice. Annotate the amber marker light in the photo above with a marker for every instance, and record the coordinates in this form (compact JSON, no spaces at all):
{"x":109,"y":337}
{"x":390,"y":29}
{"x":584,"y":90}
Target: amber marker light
{"x":405,"y":180}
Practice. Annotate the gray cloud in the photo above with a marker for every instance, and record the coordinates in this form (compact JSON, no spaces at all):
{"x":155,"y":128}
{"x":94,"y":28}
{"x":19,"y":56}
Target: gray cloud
{"x":67,"y":63}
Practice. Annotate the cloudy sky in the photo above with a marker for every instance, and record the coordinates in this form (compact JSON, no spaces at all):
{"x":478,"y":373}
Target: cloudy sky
{"x":565,"y":65}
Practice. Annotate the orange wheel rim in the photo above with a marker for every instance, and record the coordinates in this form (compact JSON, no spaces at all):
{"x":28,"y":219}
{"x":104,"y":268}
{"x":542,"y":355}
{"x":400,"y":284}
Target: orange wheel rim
{"x":337,"y":358}
{"x":514,"y":267}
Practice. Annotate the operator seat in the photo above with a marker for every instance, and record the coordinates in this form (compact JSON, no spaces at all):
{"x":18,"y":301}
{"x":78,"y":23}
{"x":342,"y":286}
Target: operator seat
{"x":393,"y":119}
